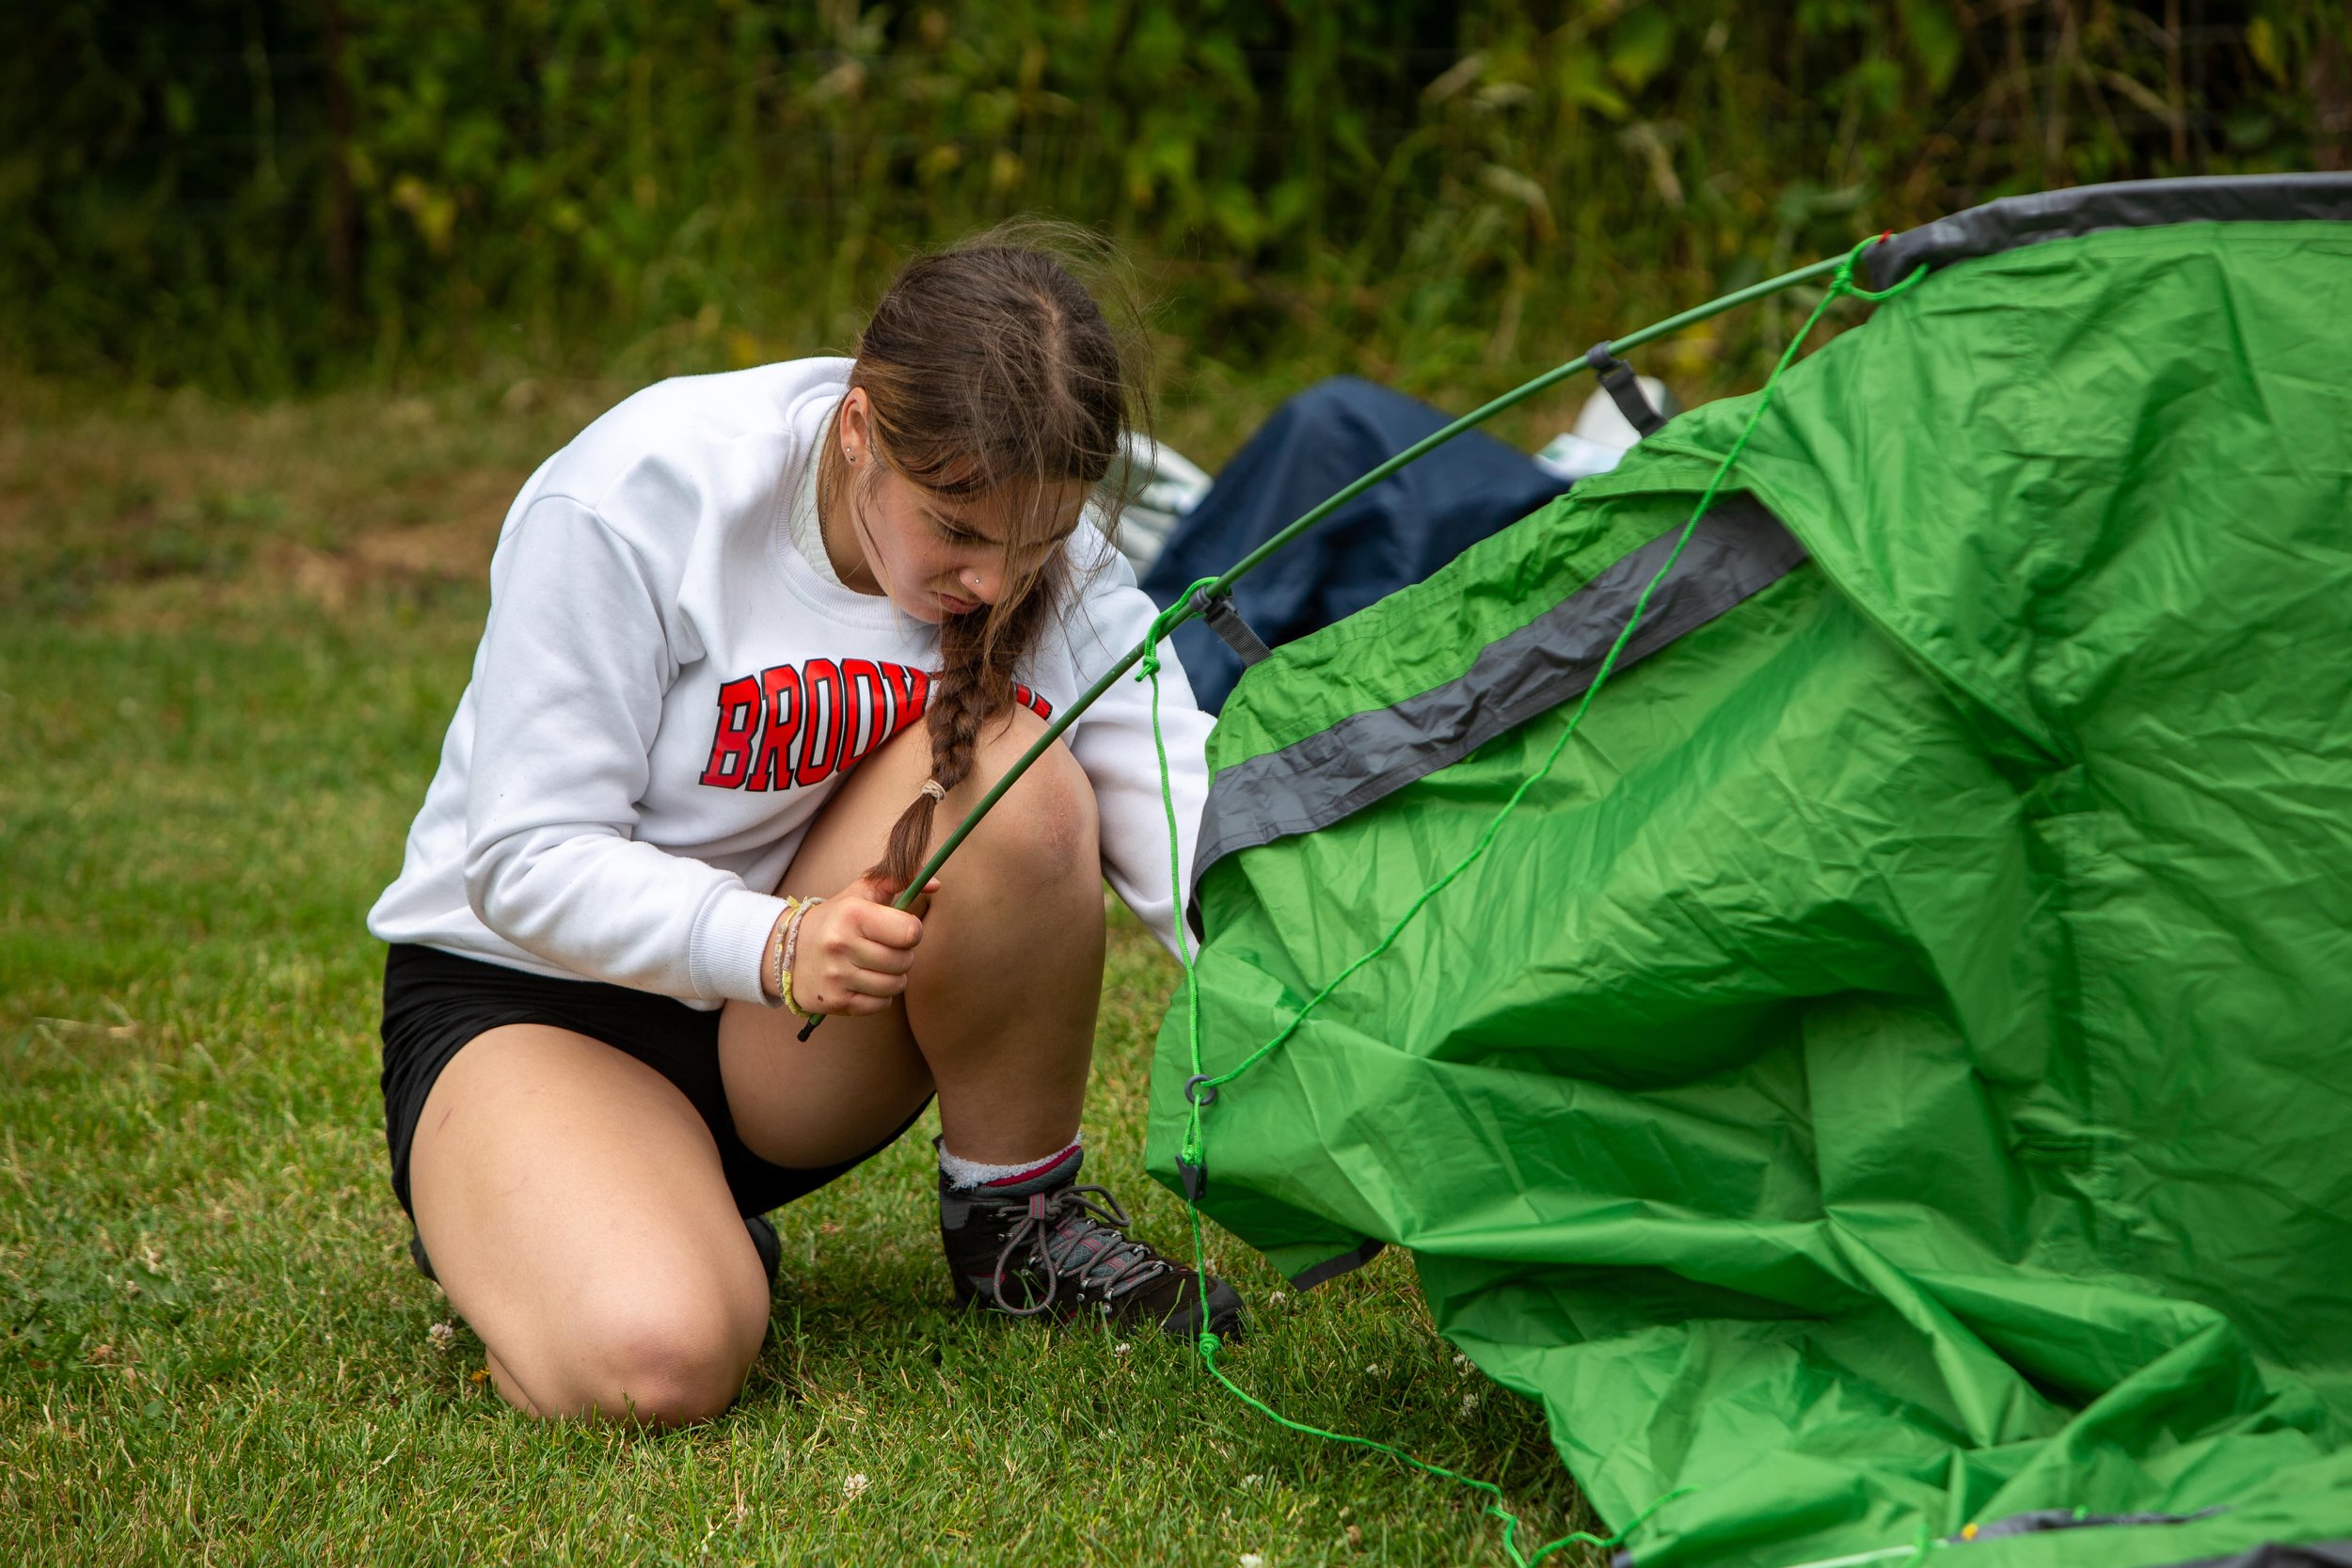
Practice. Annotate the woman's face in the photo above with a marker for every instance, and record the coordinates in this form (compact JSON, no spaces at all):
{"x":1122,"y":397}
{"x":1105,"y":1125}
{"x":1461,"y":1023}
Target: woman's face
{"x":937,"y":556}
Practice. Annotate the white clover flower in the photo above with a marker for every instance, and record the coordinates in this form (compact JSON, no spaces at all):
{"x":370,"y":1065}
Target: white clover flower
{"x":852,"y":1486}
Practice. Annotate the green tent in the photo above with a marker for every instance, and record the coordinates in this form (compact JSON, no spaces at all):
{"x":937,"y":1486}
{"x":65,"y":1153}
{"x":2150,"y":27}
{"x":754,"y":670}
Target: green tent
{"x":1890,"y":1082}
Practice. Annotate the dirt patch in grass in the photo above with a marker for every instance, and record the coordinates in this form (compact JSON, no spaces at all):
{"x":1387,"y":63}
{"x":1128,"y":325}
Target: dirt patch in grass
{"x":139,"y":508}
{"x":323,"y":499}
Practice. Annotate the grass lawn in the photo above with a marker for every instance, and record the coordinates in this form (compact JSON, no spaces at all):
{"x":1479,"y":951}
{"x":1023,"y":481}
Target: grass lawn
{"x":229,"y":643}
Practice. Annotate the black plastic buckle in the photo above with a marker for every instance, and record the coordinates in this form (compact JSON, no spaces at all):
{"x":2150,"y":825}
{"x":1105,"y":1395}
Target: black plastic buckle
{"x":1624,"y":389}
{"x":1197,"y":1091}
{"x":1196,"y":1178}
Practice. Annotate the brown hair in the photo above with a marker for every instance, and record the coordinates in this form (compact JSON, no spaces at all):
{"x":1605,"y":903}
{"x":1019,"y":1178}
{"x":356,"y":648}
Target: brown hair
{"x":990,"y":368}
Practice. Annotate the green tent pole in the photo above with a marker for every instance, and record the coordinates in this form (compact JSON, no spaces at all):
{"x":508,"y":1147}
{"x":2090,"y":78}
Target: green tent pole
{"x":1241,"y":568}
{"x":1479,"y":415}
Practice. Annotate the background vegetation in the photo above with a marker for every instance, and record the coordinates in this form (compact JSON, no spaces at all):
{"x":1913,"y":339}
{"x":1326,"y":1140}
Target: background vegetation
{"x":258,"y":196}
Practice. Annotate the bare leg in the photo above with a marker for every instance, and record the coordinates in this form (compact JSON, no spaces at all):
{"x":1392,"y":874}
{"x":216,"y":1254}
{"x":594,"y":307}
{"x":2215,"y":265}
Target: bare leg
{"x":998,"y":1015}
{"x":572,"y":1203}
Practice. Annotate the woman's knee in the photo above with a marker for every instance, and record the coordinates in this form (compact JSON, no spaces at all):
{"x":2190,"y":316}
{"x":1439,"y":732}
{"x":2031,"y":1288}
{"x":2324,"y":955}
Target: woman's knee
{"x":661,"y":1356}
{"x":1046,"y":828}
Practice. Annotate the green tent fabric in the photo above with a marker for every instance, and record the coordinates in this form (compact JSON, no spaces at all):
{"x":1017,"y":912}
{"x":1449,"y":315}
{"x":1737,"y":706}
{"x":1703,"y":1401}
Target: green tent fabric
{"x":1894,"y":1074}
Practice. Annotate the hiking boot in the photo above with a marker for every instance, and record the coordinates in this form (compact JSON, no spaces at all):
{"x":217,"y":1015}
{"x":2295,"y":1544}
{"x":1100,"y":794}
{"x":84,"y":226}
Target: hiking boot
{"x":764,"y":1242}
{"x":1041,"y":1245}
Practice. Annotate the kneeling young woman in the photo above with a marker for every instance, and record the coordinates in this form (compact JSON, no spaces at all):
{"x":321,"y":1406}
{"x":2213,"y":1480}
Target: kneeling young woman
{"x":754,"y":642}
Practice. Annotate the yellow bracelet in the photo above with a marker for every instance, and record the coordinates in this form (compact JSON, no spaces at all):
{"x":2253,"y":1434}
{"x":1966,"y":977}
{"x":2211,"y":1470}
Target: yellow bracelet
{"x":792,"y":907}
{"x":789,"y":951}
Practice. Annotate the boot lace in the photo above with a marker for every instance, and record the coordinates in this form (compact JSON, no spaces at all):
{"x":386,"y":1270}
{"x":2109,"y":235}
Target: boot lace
{"x":1078,"y":1232}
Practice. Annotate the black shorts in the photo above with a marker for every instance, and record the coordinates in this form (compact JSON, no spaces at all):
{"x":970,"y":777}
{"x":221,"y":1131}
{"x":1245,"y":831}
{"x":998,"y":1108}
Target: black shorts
{"x":435,"y":1002}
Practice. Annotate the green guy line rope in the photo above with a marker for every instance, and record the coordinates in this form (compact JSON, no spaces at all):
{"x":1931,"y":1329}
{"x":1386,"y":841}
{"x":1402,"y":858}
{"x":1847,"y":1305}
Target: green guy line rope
{"x":1185,"y":607}
{"x":1195,"y":1144}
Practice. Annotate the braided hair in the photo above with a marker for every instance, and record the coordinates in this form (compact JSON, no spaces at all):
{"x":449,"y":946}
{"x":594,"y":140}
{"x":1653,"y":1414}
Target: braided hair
{"x":990,"y":371}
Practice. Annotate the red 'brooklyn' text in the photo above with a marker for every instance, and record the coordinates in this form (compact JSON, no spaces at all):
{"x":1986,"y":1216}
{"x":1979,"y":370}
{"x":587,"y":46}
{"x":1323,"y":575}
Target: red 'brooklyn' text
{"x":801,"y":723}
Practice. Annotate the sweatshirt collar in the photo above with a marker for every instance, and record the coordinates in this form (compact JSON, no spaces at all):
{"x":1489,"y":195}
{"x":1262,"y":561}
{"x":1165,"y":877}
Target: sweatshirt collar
{"x":805,"y":569}
{"x":807,"y":528}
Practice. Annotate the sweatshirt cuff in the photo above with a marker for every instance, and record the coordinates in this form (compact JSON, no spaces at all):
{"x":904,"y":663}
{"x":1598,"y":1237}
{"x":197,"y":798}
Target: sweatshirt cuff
{"x":724,"y":956}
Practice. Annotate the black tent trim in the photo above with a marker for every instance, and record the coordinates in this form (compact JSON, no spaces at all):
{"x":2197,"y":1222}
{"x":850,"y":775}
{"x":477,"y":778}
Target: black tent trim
{"x":2283,"y":1553}
{"x":1738,"y":551}
{"x":2022,"y":220}
{"x":1348,"y":1262}
{"x":2270,"y":1554}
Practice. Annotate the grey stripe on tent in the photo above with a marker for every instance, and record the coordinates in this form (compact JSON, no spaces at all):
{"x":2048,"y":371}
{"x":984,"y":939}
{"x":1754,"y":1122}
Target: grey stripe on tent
{"x":2023,"y":220}
{"x":1738,"y":549}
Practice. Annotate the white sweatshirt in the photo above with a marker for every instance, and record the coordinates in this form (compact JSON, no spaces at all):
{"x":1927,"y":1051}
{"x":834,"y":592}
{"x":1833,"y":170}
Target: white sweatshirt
{"x":667,"y":690}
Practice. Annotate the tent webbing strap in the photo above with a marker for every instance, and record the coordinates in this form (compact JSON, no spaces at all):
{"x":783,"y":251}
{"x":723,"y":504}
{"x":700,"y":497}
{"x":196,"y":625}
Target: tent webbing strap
{"x":1235,"y":633}
{"x":1201,"y":1086}
{"x":1624,"y":389}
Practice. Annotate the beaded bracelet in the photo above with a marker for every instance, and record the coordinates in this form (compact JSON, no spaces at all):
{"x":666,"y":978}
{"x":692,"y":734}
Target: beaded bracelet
{"x":785,"y":955}
{"x":792,"y":907}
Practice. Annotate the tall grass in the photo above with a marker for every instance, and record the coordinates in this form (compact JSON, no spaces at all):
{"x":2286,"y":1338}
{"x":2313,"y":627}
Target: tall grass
{"x":259,"y":197}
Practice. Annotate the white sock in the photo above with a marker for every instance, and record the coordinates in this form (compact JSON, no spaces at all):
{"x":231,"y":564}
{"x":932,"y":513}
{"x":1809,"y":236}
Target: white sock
{"x":963,"y":1173}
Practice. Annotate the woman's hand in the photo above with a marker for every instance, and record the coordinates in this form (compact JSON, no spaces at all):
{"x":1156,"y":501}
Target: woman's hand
{"x":854,"y":950}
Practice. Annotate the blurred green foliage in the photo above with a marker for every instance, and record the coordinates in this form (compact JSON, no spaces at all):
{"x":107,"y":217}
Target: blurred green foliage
{"x":259,"y":196}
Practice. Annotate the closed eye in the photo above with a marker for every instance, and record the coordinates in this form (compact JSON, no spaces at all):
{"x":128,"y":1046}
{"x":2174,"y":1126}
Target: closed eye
{"x":954,"y":534}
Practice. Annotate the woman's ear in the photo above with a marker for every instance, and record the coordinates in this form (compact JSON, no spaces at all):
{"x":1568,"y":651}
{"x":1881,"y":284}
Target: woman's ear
{"x":855,"y":427}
